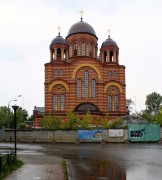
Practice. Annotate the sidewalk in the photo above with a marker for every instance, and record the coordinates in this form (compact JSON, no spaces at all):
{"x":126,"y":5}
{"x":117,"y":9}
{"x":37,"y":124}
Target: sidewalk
{"x":38,"y":167}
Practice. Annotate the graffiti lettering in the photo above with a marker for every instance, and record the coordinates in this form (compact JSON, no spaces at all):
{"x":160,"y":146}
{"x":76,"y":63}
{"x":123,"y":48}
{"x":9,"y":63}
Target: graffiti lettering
{"x":138,"y":133}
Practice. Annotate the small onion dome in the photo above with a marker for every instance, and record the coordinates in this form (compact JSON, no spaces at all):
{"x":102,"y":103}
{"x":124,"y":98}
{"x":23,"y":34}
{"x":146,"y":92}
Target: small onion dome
{"x":109,"y":42}
{"x":59,"y":40}
{"x":81,"y":27}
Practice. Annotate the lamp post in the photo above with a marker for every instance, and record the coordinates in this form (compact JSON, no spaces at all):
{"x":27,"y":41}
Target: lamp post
{"x":15,"y":107}
{"x":14,"y":99}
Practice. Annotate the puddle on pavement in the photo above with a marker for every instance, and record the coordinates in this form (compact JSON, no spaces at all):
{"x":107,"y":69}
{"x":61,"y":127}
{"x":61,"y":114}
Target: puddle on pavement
{"x":30,"y":152}
{"x":97,"y":169}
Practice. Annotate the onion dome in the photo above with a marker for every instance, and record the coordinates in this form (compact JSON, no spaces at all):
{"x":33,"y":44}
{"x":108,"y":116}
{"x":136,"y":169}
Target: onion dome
{"x":59,"y":40}
{"x":81,"y":27}
{"x":109,"y":42}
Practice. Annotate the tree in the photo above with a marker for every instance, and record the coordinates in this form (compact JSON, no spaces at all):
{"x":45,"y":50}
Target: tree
{"x":102,"y":122}
{"x":50,"y":122}
{"x":158,"y":117}
{"x":21,"y":117}
{"x":72,"y":122}
{"x":85,"y":122}
{"x":30,"y":120}
{"x":3,"y":116}
{"x":145,"y":115}
{"x":153,"y":103}
{"x":7,"y":115}
{"x":129,"y":104}
{"x":105,"y":121}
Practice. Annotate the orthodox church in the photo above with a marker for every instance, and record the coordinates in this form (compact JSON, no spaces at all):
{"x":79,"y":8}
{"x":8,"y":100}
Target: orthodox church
{"x":78,"y":79}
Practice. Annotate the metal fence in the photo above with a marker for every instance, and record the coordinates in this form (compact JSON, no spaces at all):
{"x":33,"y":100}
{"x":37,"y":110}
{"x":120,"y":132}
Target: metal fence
{"x":6,"y":159}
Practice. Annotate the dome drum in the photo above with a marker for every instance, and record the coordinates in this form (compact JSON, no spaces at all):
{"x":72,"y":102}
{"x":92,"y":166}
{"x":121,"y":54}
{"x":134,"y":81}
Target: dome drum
{"x":53,"y":46}
{"x":81,"y":38}
{"x":109,"y":48}
{"x":109,"y":55}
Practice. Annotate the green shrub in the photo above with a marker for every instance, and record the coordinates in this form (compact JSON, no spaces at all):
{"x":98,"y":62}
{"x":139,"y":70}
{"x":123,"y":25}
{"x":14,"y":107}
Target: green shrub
{"x":21,"y":125}
{"x":50,"y":122}
{"x":9,"y":168}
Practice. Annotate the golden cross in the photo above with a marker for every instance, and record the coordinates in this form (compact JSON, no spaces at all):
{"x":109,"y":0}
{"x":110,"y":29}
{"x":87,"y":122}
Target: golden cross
{"x":109,"y":32}
{"x":81,"y":13}
{"x":59,"y":28}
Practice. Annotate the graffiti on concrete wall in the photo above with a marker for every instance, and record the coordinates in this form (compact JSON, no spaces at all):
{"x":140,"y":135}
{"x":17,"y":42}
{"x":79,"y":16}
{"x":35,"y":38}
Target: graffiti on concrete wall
{"x":138,"y":133}
{"x":143,"y":132}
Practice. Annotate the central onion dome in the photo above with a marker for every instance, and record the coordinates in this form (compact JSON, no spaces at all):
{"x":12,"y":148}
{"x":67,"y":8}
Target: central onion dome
{"x":81,"y":27}
{"x":59,"y":40}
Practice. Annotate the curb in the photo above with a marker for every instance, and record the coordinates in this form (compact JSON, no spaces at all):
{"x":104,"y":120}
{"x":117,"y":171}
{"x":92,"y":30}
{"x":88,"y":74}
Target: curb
{"x":69,"y":170}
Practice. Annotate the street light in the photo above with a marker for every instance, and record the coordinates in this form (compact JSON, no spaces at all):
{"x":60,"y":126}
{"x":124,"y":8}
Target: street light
{"x":14,"y":99}
{"x":15,"y":107}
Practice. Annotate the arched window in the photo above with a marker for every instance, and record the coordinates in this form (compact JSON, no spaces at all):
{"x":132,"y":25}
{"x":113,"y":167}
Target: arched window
{"x":90,"y":50}
{"x":62,"y":102}
{"x":117,"y":57}
{"x":93,"y":88}
{"x":55,"y":72}
{"x":110,"y":73}
{"x":64,"y":55}
{"x":70,"y":51}
{"x":75,"y":49}
{"x":53,"y":55}
{"x":58,"y":54}
{"x":61,"y":72}
{"x":109,"y":103}
{"x":105,"y":56}
{"x":79,"y":88}
{"x":83,"y":49}
{"x":116,"y":103}
{"x":55,"y":103}
{"x":111,"y":56}
{"x":86,"y":84}
{"x":113,"y":98}
{"x":59,"y":93}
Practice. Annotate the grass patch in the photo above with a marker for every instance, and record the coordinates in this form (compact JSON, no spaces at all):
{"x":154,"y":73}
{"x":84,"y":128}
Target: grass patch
{"x":63,"y":164}
{"x":9,"y":168}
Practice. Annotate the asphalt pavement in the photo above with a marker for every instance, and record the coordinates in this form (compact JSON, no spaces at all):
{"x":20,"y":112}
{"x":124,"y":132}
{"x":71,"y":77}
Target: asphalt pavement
{"x":86,"y":161}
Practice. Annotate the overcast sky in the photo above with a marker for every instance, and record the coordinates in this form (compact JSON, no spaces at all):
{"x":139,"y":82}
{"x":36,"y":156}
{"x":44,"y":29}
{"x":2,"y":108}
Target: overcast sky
{"x":28,"y":27}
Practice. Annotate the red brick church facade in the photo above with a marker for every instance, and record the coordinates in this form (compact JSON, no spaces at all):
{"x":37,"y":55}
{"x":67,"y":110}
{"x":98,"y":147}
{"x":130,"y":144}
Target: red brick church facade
{"x":77,"y":79}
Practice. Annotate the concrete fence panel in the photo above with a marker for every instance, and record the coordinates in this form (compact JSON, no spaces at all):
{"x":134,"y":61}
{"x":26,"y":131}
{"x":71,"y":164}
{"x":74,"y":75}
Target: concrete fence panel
{"x":2,"y":134}
{"x":161,"y":134}
{"x":94,"y":135}
{"x":143,"y":132}
{"x":25,"y":136}
{"x":113,"y":135}
{"x":125,"y":135}
{"x":43,"y":136}
{"x":9,"y":135}
{"x":69,"y":136}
